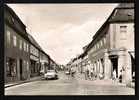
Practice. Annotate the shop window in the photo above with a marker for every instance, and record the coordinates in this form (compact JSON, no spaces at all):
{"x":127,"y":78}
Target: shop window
{"x":10,"y":67}
{"x":14,"y":40}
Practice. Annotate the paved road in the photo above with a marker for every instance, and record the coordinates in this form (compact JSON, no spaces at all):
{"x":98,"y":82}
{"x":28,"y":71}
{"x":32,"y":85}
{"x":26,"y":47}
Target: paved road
{"x":68,"y":86}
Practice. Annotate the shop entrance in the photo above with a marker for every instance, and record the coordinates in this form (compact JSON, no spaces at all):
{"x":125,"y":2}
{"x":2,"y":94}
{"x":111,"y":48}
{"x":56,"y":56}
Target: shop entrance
{"x":114,"y":62}
{"x":11,"y":69}
{"x":102,"y":62}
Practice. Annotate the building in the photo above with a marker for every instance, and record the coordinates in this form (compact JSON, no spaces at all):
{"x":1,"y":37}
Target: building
{"x":44,"y":61}
{"x":35,"y":49}
{"x":16,"y":47}
{"x":24,"y":58}
{"x":112,"y":47}
{"x":53,"y":65}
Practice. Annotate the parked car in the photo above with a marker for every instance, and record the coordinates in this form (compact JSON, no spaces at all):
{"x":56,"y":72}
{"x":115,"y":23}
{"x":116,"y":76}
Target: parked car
{"x":51,"y":74}
{"x":67,"y":72}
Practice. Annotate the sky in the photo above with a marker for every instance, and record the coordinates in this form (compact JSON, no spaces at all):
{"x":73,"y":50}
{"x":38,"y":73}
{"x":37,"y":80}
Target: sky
{"x":62,"y":30}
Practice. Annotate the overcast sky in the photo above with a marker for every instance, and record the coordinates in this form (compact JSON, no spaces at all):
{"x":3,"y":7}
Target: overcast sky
{"x":62,"y":30}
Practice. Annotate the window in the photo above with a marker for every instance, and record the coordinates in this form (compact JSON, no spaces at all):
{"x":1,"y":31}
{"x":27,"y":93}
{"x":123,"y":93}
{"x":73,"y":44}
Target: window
{"x":24,"y":46}
{"x":11,"y":67}
{"x":27,"y":66}
{"x":101,"y":43}
{"x":97,"y":45}
{"x":12,"y":19}
{"x":20,"y":44}
{"x":8,"y":36}
{"x":104,"y":40}
{"x":24,"y":63}
{"x":93,"y":49}
{"x":123,"y":29}
{"x":14,"y":40}
{"x":27,"y":47}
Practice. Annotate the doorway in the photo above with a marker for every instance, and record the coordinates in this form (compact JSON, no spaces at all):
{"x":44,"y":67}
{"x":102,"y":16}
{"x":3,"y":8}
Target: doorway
{"x":21,"y":70}
{"x":114,"y":62}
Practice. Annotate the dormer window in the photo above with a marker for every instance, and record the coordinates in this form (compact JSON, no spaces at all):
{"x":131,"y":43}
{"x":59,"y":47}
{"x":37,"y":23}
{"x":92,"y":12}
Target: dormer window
{"x":123,"y":29}
{"x":12,"y":19}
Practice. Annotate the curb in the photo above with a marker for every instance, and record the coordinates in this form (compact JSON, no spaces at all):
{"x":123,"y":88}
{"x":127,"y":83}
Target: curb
{"x":21,"y":83}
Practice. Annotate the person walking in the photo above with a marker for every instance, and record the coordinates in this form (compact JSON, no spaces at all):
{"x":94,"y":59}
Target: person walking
{"x":91,"y":73}
{"x":114,"y":75}
{"x":120,"y":77}
{"x":73,"y":72}
{"x":85,"y":72}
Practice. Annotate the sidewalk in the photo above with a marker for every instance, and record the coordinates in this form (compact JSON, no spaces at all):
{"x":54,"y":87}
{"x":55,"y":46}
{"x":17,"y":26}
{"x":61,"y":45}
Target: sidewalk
{"x":81,"y":78}
{"x":21,"y":82}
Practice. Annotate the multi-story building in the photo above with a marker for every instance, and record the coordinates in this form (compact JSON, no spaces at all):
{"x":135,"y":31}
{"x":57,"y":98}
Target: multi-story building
{"x":113,"y":44}
{"x":34,"y":57}
{"x":16,"y":47}
{"x":24,"y":57}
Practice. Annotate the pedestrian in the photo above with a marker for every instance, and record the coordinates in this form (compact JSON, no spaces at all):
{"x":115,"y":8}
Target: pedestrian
{"x":72,"y":72}
{"x":120,"y":77}
{"x":114,"y":75}
{"x":85,"y":72}
{"x":91,"y":74}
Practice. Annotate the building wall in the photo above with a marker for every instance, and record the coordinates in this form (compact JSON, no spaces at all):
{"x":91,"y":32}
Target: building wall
{"x":121,"y":39}
{"x":44,"y":60}
{"x":34,"y":61}
{"x":17,"y":53}
{"x":121,"y":43}
{"x":117,"y":40}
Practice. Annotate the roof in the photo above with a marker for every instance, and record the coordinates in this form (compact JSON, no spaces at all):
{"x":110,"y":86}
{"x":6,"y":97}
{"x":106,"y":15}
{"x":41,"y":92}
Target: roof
{"x":14,"y":14}
{"x":125,"y":5}
{"x":124,"y":12}
{"x":34,"y":42}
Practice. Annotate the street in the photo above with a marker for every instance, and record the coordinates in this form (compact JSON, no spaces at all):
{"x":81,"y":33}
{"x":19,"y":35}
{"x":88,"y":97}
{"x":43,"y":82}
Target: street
{"x":66,"y":85}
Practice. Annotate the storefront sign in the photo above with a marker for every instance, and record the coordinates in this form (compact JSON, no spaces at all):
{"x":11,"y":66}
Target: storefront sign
{"x":34,"y":58}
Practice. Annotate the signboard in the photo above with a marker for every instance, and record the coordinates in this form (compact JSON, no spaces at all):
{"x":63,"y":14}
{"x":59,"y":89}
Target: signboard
{"x":34,"y":58}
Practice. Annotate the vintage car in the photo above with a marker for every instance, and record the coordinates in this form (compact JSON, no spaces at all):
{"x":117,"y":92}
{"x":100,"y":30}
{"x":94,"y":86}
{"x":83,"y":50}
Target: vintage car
{"x":67,"y":72}
{"x":51,"y":74}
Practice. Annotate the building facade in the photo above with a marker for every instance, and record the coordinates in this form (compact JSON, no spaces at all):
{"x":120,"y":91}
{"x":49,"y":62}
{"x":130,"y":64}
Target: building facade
{"x":34,"y":57}
{"x":16,"y":48}
{"x":44,"y":61}
{"x":112,"y":47}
